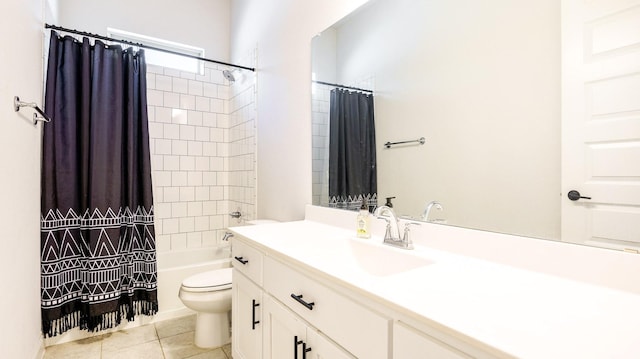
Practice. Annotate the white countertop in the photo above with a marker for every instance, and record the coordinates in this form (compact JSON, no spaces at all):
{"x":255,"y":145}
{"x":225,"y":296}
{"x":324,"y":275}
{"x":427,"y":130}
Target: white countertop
{"x":517,"y":312}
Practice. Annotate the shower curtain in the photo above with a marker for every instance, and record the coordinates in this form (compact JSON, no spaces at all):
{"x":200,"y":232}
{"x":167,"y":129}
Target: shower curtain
{"x":98,"y":260}
{"x":352,"y":150}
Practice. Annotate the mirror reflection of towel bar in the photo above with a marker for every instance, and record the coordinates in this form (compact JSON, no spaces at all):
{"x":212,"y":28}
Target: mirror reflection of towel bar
{"x":421,"y":141}
{"x":17,"y":104}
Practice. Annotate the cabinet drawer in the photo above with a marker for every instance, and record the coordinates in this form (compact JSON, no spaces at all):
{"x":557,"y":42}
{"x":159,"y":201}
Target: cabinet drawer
{"x":357,"y":329}
{"x":247,"y":260}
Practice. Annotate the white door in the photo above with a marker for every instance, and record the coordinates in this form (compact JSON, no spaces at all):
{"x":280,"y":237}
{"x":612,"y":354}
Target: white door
{"x":247,"y":318}
{"x":601,"y":122}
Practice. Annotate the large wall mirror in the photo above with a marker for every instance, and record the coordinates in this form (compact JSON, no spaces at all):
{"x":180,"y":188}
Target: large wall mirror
{"x":482,"y":83}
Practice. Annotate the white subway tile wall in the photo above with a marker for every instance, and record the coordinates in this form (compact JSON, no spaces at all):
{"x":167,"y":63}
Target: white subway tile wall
{"x":320,"y":96}
{"x":202,"y":139}
{"x":239,"y":158}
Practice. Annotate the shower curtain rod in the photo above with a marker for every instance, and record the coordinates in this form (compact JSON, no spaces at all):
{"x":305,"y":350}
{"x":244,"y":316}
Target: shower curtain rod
{"x":342,"y":86}
{"x":100,"y":37}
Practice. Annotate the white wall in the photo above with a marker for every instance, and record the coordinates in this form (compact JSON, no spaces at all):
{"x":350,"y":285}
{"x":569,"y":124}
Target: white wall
{"x":20,"y":75}
{"x":200,"y":23}
{"x":480,"y":81}
{"x":282,"y":31}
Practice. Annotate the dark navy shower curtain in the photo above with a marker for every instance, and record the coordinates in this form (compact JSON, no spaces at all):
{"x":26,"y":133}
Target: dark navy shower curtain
{"x":352,"y":150}
{"x":98,"y":258}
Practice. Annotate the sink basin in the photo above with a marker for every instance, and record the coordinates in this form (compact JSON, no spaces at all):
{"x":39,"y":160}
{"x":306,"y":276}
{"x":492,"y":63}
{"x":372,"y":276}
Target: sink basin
{"x":381,"y":261}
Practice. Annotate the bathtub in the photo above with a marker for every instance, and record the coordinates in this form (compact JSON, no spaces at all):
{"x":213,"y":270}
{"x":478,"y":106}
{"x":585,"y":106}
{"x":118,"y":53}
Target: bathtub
{"x":175,"y":266}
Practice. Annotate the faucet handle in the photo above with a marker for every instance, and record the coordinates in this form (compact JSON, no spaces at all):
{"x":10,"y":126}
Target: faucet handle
{"x":407,"y":227}
{"x":411,"y":223}
{"x":387,"y":232}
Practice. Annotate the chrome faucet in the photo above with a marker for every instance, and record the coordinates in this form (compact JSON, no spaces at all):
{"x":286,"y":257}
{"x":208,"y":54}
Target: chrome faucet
{"x":226,"y":236}
{"x":392,"y":233}
{"x":427,"y":210}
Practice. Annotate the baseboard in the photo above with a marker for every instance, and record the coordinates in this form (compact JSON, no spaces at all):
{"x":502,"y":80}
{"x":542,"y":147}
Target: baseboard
{"x":40,"y":353}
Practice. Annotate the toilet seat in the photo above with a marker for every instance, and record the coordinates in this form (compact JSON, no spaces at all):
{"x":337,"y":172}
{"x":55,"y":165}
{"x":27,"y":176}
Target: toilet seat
{"x":211,"y":281}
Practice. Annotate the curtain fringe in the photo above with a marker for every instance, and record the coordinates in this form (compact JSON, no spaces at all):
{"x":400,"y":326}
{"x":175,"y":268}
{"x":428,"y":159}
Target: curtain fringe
{"x":51,"y":328}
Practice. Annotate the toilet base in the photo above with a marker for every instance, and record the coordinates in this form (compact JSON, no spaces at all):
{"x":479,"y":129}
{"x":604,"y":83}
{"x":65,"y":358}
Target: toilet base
{"x":212,"y":330}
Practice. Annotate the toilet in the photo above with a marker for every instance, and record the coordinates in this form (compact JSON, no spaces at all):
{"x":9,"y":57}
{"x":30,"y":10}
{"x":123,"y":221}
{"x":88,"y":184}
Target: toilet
{"x":209,"y":295}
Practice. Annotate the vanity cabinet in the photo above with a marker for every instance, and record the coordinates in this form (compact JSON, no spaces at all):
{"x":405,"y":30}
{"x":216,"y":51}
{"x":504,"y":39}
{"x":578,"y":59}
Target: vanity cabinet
{"x":273,"y":304}
{"x":286,"y":336}
{"x":247,"y":297}
{"x":282,"y":311}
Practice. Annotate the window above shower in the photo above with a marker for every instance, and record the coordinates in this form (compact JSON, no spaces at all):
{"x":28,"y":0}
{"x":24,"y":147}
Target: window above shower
{"x":164,"y":59}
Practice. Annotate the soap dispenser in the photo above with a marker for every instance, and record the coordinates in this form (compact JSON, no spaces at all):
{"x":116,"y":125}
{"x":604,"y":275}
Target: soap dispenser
{"x":362,"y":222}
{"x":389,"y":204}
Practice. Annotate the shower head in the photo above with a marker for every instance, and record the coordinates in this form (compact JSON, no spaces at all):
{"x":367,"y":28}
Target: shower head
{"x":229,"y":75}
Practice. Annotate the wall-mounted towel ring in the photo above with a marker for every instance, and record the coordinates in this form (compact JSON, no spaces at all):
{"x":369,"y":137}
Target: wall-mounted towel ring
{"x":17,"y":104}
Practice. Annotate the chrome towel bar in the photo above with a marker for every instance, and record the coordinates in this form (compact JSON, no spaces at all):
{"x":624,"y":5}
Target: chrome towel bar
{"x":420,"y":140}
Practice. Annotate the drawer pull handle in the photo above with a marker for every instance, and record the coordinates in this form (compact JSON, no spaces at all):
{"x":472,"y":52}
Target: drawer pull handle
{"x":299,"y":299}
{"x":242,"y":260}
{"x":253,"y":315}
{"x":296,"y":342}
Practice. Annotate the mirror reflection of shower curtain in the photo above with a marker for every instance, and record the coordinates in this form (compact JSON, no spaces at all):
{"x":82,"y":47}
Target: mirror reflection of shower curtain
{"x":352,"y":150}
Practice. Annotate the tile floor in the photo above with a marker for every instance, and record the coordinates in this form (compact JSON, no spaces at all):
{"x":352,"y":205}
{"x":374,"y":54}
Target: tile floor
{"x":170,"y":339}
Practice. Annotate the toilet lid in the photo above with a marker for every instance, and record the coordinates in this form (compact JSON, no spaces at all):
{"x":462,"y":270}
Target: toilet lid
{"x":218,"y":279}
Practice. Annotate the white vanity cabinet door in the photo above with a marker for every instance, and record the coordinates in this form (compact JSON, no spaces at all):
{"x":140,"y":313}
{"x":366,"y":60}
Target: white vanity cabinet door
{"x":283,"y":333}
{"x":285,"y":336}
{"x":247,"y":321}
{"x":408,"y":343}
{"x":323,"y":348}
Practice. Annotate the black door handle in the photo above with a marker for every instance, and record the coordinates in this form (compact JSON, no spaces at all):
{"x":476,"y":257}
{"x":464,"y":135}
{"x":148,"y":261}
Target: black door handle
{"x":299,"y":299}
{"x":575,"y":195}
{"x":253,"y":315}
{"x":241,"y":260}
{"x":305,"y":350}
{"x":296,"y":342}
